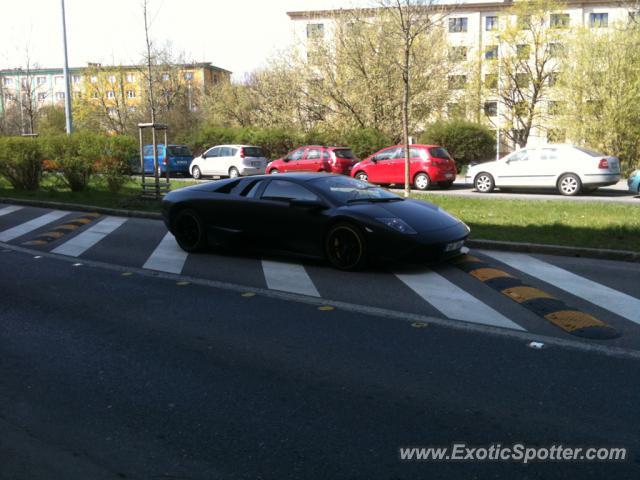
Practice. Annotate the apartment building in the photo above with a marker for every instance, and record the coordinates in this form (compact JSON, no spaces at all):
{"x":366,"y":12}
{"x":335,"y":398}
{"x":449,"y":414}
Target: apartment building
{"x":472,"y":29}
{"x":45,"y":86}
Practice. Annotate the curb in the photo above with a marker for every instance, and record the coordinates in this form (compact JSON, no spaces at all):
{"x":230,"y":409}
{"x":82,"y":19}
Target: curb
{"x":597,"y":253}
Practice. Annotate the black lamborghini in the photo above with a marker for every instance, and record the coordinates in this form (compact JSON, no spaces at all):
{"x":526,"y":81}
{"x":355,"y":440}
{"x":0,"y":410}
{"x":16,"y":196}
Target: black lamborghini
{"x":342,"y":219}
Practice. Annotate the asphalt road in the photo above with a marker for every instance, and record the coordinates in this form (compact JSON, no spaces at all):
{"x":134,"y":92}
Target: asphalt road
{"x":105,"y":375}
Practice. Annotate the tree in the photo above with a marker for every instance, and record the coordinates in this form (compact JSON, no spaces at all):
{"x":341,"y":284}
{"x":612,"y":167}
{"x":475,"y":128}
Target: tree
{"x":529,"y":49}
{"x":600,"y":87}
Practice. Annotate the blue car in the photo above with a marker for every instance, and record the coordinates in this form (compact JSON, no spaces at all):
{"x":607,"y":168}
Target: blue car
{"x":634,"y":182}
{"x":178,"y":157}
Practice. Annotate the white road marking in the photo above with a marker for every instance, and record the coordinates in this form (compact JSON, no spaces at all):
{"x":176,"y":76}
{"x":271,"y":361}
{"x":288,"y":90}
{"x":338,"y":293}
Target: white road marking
{"x":31,"y":225}
{"x":87,"y":239}
{"x":288,"y":277}
{"x":454,"y":302}
{"x":167,"y":257}
{"x":8,"y":210}
{"x":617,"y":302}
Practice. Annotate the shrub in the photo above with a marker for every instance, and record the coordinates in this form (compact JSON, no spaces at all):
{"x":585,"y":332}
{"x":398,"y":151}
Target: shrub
{"x":21,"y":162}
{"x":466,"y":141}
{"x":116,"y":163}
{"x":76,"y":156}
{"x":365,"y":141}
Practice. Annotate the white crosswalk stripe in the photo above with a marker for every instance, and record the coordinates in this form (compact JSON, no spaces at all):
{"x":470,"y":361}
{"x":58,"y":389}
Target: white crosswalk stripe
{"x":288,"y":277}
{"x":167,"y":257}
{"x":617,"y":302}
{"x":31,"y":225}
{"x":8,"y":210}
{"x":454,"y":302}
{"x":87,"y":239}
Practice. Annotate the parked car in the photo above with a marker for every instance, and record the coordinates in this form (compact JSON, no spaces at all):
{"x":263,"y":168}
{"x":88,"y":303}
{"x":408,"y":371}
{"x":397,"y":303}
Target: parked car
{"x":229,"y":161}
{"x":428,"y":164}
{"x":315,"y":158}
{"x":566,"y":168}
{"x":339,"y":218}
{"x":634,"y":182}
{"x":177,"y":157}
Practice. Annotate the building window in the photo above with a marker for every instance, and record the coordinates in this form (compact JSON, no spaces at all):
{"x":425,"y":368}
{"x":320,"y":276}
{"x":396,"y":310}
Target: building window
{"x":58,"y":80}
{"x":491,"y":23}
{"x":111,"y":78}
{"x":491,"y":109}
{"x":59,"y":96}
{"x":75,"y":79}
{"x":7,"y":82}
{"x":491,"y":53}
{"x":458,"y":25}
{"x":111,"y":111}
{"x":491,"y":81}
{"x":131,"y":77}
{"x":42,"y":97}
{"x":457,"y":82}
{"x":188,"y":76}
{"x":131,"y":94}
{"x":523,"y":51}
{"x":598,"y":20}
{"x":111,"y":94}
{"x":560,"y":20}
{"x":41,"y":80}
{"x":522,"y":80}
{"x":556,"y":49}
{"x":315,"y":30}
{"x":456,"y":110}
{"x":457,"y":54}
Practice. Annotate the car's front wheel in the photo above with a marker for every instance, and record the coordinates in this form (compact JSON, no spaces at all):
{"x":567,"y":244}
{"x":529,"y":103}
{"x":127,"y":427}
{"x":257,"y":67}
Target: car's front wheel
{"x":345,"y":247}
{"x":189,"y":231}
{"x":422,"y":181}
{"x":484,"y":183}
{"x":233,"y":172}
{"x":362,"y":176}
{"x":273,"y":171}
{"x":196,"y":173}
{"x":569,"y":184}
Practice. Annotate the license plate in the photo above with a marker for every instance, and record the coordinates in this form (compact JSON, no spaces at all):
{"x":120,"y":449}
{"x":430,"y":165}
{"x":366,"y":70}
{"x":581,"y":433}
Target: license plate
{"x":448,"y":175}
{"x":181,"y":162}
{"x":454,"y":246}
{"x":255,"y":164}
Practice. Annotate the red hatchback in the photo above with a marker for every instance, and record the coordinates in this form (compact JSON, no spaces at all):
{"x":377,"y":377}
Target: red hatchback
{"x":315,"y":159}
{"x":429,"y":164}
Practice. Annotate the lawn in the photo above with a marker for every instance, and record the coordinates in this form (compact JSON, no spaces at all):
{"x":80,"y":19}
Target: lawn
{"x":582,"y":224}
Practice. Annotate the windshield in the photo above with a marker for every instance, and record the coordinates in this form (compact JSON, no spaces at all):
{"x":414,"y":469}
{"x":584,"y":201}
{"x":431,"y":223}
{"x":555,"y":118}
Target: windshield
{"x":253,"y":152}
{"x":344,"y":153}
{"x":345,"y":190}
{"x":178,"y":151}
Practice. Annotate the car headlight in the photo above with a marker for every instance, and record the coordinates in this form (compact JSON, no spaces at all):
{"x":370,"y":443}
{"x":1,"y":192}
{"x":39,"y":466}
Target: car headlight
{"x":397,"y":224}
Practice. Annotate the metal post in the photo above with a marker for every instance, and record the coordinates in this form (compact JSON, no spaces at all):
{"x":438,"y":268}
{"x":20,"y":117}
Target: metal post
{"x":141,"y":157}
{"x":67,"y":89}
{"x":154,"y":141}
{"x":166,"y":154}
{"x":499,"y":118}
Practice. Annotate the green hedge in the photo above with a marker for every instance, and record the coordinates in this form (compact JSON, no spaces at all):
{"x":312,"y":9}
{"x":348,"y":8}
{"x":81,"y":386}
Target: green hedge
{"x":466,"y":141}
{"x":21,"y":162}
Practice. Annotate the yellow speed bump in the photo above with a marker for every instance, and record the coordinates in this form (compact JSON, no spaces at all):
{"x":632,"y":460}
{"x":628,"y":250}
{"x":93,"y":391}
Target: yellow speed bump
{"x":419,"y":325}
{"x":183,"y":283}
{"x":326,"y":308}
{"x":484,"y":274}
{"x":248,"y":294}
{"x":571,"y":320}
{"x":523,"y":293}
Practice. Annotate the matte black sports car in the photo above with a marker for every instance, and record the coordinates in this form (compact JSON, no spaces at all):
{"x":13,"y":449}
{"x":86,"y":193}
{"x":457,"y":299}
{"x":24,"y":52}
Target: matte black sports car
{"x":343,"y":219}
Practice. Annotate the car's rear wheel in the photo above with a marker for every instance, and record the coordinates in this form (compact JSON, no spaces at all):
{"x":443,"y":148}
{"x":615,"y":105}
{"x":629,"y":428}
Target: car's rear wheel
{"x":569,"y":184}
{"x":273,"y":171}
{"x":189,"y":231}
{"x":484,"y":183}
{"x":445,"y":185}
{"x":196,"y":173}
{"x":362,"y":176}
{"x":422,"y":181}
{"x":233,"y":172}
{"x":345,"y":247}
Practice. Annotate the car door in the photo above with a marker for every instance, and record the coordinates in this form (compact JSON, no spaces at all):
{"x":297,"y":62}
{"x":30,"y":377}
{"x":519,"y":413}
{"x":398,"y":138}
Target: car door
{"x":312,"y":160}
{"x":512,"y":172}
{"x":396,"y":166}
{"x":292,"y":163}
{"x":378,"y":171}
{"x":287,"y":227}
{"x":223,"y":163}
{"x":550,"y":166}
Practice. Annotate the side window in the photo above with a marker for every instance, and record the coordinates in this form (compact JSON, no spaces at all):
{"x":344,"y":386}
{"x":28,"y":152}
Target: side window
{"x":313,"y":154}
{"x":284,"y":190}
{"x":521,"y":156}
{"x":225,"y":152}
{"x":212,"y":152}
{"x":326,"y":155}
{"x":147,"y":151}
{"x":413,"y":153}
{"x":233,"y":152}
{"x":252,"y":188}
{"x":296,"y":155}
{"x":549,"y":154}
{"x":386,"y":154}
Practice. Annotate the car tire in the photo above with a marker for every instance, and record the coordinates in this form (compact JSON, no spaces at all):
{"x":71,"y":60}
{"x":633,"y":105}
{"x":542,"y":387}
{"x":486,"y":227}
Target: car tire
{"x":569,"y":185}
{"x":196,"y":173}
{"x":445,"y":185}
{"x":273,"y":171}
{"x":189,"y":231}
{"x":233,"y":172}
{"x":484,"y":182}
{"x":422,"y":181}
{"x":345,"y":247}
{"x":362,"y":176}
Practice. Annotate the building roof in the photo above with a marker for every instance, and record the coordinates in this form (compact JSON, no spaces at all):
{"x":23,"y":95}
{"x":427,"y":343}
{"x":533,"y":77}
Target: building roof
{"x":54,"y":71}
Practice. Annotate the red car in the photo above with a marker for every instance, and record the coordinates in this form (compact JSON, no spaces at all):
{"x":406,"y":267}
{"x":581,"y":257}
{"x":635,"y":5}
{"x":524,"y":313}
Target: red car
{"x":429,"y":164}
{"x":315,"y":159}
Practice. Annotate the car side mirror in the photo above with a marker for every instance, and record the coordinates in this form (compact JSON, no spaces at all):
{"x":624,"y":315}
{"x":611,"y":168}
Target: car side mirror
{"x":307,"y":204}
{"x":286,"y":159}
{"x":374,"y":159}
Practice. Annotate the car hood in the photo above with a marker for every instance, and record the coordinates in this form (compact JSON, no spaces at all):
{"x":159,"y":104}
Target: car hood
{"x":421,"y":216}
{"x":482,"y":166}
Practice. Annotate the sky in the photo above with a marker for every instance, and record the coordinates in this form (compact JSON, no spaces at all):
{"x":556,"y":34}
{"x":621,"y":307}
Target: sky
{"x":238,"y":35}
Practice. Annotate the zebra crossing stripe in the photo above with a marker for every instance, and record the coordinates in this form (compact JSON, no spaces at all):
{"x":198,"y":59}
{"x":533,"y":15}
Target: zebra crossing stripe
{"x":9,"y":209}
{"x":31,"y":225}
{"x":167,"y":257}
{"x":87,"y":239}
{"x":288,"y":277}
